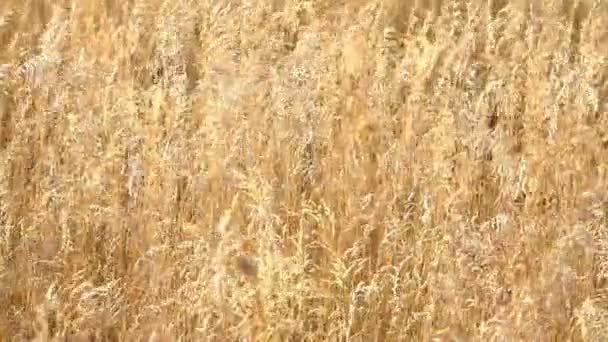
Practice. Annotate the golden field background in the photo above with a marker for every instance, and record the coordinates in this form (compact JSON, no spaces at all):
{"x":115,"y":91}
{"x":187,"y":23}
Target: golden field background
{"x":303,"y":170}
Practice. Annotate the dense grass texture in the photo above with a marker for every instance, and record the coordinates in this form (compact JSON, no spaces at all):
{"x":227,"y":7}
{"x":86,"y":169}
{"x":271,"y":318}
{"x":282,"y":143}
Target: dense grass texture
{"x":362,"y":170}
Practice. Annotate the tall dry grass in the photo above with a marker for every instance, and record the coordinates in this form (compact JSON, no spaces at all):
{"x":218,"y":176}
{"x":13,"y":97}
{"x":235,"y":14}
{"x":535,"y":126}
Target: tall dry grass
{"x":303,"y":170}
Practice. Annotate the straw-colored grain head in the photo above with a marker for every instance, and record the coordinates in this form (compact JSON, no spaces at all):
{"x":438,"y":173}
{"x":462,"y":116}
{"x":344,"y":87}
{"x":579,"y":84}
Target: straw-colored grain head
{"x":593,"y":321}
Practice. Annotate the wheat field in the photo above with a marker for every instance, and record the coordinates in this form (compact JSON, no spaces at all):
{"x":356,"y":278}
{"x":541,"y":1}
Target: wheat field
{"x":268,"y":170}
